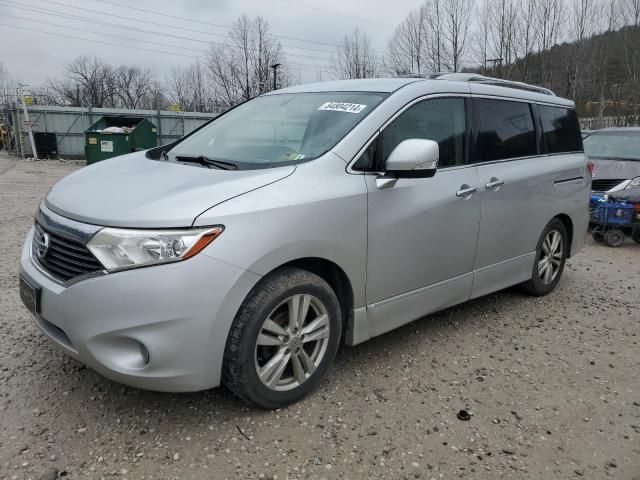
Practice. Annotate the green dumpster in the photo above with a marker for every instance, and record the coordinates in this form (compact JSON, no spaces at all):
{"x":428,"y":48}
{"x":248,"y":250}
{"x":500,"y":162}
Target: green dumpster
{"x":113,"y":136}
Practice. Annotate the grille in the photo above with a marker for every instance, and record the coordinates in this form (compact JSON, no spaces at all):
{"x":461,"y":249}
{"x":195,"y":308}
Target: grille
{"x":62,"y":258}
{"x":605,"y":184}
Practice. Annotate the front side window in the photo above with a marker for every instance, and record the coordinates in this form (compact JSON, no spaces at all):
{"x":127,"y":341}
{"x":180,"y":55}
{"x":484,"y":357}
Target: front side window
{"x":505,"y":129}
{"x":560,"y":129}
{"x":279,"y":129}
{"x":439,"y":119}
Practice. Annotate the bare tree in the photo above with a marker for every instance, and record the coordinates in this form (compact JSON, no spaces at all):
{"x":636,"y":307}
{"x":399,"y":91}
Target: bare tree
{"x":63,"y":92}
{"x":242,"y":69}
{"x":582,"y":24}
{"x":189,"y":87}
{"x":156,"y":99}
{"x":503,"y":31}
{"x":481,"y":37}
{"x":434,"y":28}
{"x":630,"y":36}
{"x":7,"y":88}
{"x":132,"y":85}
{"x":549,"y":18}
{"x":457,"y":16}
{"x":355,"y":58}
{"x":407,"y":48}
{"x":632,"y":12}
{"x":87,"y":82}
{"x":526,"y":39}
{"x":608,"y":16}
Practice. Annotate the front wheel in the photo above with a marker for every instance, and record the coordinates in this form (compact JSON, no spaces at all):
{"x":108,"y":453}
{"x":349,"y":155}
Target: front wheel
{"x":551,"y":255}
{"x":283,"y":339}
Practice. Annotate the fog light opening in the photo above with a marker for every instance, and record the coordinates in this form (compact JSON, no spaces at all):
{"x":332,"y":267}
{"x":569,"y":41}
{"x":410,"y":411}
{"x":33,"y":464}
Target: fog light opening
{"x":144,"y":352}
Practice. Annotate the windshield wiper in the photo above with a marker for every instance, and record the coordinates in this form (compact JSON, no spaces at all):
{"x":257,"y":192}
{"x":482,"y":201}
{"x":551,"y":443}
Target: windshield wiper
{"x":210,"y":162}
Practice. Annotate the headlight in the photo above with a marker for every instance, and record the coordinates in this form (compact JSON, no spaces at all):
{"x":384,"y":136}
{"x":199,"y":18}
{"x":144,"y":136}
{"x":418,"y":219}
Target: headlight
{"x":119,"y":248}
{"x":634,"y":183}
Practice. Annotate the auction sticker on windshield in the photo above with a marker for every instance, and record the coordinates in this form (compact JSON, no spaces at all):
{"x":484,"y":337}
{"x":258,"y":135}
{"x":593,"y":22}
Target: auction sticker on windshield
{"x":343,"y":107}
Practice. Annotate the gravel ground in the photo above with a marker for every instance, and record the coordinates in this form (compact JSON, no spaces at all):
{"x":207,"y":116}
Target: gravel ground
{"x":552,"y":385}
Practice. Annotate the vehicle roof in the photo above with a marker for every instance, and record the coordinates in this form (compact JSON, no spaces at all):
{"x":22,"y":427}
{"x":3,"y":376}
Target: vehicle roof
{"x":389,"y":85}
{"x":385,"y":85}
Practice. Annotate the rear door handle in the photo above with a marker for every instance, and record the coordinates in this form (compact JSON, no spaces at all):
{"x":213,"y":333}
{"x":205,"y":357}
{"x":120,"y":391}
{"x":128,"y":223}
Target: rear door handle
{"x":494,"y":184}
{"x":466,"y":191}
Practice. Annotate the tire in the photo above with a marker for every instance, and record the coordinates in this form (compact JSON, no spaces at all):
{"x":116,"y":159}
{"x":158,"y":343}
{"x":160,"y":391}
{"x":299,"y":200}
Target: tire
{"x":636,"y":235}
{"x":288,"y":363}
{"x":597,"y":235}
{"x":614,"y":238}
{"x":541,"y":282}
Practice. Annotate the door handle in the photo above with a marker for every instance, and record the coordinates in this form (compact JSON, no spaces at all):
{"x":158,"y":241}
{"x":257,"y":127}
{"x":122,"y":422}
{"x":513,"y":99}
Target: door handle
{"x":494,"y":184}
{"x":466,"y":191}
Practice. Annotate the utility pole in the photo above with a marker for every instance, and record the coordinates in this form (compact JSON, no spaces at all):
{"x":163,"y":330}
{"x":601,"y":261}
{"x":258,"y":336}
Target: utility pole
{"x":27,"y":123}
{"x":275,"y":75}
{"x":17,"y":129}
{"x":496,"y":62}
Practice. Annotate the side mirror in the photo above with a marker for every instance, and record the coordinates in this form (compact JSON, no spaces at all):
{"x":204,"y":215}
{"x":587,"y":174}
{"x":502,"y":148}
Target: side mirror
{"x":415,"y":157}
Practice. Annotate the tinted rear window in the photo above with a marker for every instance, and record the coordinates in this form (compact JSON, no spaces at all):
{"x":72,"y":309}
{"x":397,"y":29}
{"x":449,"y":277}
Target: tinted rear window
{"x":505,"y":130}
{"x":560,"y":129}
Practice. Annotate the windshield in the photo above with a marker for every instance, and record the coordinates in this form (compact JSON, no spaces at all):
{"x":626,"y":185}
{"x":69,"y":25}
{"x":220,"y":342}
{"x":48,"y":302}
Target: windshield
{"x":624,"y":145}
{"x":279,"y":129}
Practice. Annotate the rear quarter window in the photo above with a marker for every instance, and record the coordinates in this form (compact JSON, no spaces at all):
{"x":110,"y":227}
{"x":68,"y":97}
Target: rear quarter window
{"x":505,"y":129}
{"x":560,"y":129}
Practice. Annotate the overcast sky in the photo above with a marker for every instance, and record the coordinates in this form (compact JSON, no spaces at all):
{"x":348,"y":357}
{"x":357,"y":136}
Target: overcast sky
{"x":32,"y":56}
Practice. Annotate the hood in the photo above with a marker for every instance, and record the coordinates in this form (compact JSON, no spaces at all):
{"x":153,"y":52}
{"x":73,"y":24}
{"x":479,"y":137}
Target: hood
{"x":609,"y":168}
{"x":134,"y":191}
{"x":628,"y":194}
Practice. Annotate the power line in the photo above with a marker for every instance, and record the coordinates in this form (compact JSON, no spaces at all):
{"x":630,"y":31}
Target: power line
{"x":306,"y":65}
{"x":164,"y":25}
{"x":95,"y":41}
{"x":45,"y":11}
{"x":164,"y":52}
{"x":155,"y":12}
{"x":333,"y":12}
{"x":41,"y":10}
{"x":110,"y":34}
{"x":209,"y":23}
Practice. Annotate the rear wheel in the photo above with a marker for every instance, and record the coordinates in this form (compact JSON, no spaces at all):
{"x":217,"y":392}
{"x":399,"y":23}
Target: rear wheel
{"x":614,"y":237}
{"x":551,"y":255}
{"x":283,"y":339}
{"x":597,"y":234}
{"x":636,"y":235}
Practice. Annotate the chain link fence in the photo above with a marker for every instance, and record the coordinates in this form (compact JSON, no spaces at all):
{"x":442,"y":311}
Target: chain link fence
{"x":69,"y":123}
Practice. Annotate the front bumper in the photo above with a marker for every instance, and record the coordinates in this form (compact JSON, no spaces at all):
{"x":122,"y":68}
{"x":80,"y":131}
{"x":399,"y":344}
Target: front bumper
{"x":181,"y":314}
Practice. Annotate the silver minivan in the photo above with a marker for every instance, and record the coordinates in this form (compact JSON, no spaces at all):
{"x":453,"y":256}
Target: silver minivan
{"x":244,"y":253}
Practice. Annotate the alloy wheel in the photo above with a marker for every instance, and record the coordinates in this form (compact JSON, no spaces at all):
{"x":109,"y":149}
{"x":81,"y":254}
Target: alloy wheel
{"x":551,"y":255}
{"x":292,"y":342}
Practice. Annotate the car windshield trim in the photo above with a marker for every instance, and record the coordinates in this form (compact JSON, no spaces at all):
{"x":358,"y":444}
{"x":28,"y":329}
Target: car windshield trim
{"x":278,"y":129}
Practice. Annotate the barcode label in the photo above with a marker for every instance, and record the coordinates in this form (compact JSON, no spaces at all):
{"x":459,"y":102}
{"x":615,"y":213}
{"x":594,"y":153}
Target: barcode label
{"x":343,"y":107}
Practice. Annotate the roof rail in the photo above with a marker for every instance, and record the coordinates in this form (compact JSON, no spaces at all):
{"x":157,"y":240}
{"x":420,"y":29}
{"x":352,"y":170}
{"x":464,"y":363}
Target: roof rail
{"x":428,"y":76}
{"x":474,"y":77}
